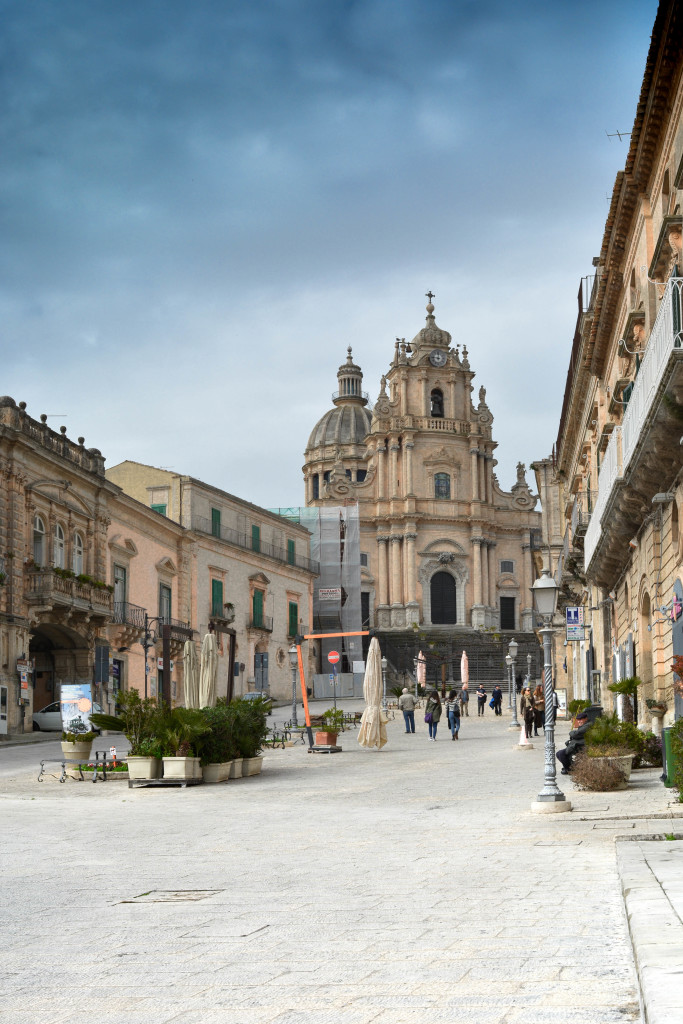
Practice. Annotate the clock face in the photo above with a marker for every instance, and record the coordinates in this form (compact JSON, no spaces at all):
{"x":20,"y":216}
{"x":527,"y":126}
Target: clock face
{"x":437,"y":357}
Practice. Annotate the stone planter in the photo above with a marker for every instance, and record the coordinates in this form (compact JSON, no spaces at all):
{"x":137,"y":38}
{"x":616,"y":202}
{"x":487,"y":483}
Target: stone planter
{"x":77,"y":751}
{"x":252,"y":765}
{"x":144,"y":767}
{"x":219,"y":772}
{"x":326,"y":739}
{"x":657,"y":714}
{"x":236,"y":768}
{"x":182,"y":768}
{"x":623,"y":763}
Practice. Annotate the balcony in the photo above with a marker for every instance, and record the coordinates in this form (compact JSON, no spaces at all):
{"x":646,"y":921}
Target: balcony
{"x":582,"y":511}
{"x":263,"y":622}
{"x":644,"y":453}
{"x":46,"y":590}
{"x":244,"y":541}
{"x":130,"y":615}
{"x":180,"y":631}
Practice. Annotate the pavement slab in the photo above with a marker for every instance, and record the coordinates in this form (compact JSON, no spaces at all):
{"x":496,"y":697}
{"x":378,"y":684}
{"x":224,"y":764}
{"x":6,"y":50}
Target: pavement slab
{"x":407,"y":885}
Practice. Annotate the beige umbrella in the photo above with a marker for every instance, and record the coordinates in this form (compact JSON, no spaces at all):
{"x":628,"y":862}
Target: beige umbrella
{"x":421,"y":669}
{"x":464,"y":668}
{"x":208,"y":671}
{"x":373,"y":724}
{"x":191,"y":674}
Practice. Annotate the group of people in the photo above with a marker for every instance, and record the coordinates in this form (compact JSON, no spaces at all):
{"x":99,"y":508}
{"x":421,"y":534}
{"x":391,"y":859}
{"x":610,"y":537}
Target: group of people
{"x":532,"y":707}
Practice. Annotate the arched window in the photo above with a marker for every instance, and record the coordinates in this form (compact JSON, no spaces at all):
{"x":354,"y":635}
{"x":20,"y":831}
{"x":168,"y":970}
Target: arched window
{"x":38,"y":540}
{"x":442,"y":485}
{"x":58,"y":551}
{"x":316,"y":486}
{"x":77,"y":560}
{"x":437,"y":402}
{"x":442,"y":590}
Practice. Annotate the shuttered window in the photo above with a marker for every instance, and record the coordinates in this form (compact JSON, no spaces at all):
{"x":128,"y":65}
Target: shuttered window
{"x":257,"y":608}
{"x":161,"y":509}
{"x":293,"y":619}
{"x":256,"y":538}
{"x":216,"y":522}
{"x":217,"y":597}
{"x":291,"y":552}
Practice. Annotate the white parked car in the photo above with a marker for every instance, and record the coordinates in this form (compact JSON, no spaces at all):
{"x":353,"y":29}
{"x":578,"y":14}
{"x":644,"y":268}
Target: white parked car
{"x":49,"y":719}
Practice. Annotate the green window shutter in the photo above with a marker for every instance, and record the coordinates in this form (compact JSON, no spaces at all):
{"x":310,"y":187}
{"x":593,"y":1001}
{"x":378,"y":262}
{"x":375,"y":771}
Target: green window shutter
{"x":293,"y":618}
{"x":256,"y":538}
{"x":217,"y":597}
{"x":291,"y":552}
{"x":216,"y":522}
{"x":161,"y":509}
{"x":257,"y":608}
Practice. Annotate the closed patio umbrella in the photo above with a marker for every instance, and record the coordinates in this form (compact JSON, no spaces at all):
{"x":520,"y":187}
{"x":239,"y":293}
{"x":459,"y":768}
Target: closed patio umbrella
{"x":191,"y":674}
{"x":373,"y":728}
{"x":421,"y":669}
{"x":208,"y":671}
{"x":464,"y":668}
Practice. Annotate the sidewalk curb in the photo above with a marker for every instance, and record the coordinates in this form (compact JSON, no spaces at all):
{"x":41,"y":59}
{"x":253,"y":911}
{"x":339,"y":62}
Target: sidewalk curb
{"x":656,"y":934}
{"x":25,"y":741}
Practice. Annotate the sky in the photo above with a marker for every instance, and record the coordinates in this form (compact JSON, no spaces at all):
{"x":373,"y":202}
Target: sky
{"x":203,"y":203}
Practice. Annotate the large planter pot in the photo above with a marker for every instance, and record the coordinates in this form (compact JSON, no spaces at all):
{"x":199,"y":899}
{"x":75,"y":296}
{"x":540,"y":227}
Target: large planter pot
{"x":144,"y":767}
{"x":216,"y":772}
{"x":77,"y":751}
{"x":657,"y":714}
{"x":252,"y":765}
{"x":236,"y":768}
{"x":623,"y":763}
{"x":326,"y":739}
{"x":182,"y":768}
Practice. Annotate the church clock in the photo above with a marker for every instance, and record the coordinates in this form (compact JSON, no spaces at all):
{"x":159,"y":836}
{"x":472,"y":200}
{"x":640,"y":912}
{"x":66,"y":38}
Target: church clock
{"x":437,"y":357}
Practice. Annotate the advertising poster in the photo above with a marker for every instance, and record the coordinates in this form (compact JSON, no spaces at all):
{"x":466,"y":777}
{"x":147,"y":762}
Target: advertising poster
{"x":76,"y":701}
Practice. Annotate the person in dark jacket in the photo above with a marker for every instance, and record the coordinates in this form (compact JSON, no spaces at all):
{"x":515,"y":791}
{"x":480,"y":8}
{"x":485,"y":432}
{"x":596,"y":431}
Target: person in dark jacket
{"x":497,"y":696}
{"x":453,"y":712}
{"x":433,"y":713}
{"x":575,"y":743}
{"x":481,"y":700}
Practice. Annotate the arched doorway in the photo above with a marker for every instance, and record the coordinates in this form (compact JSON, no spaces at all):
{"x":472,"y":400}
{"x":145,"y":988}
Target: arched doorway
{"x":644,"y":669}
{"x":442,"y":592}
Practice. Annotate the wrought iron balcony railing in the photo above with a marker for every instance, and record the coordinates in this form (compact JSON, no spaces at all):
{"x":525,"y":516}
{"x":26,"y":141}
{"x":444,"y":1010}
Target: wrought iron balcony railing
{"x":245,"y":541}
{"x":260,"y":622}
{"x":127,"y":614}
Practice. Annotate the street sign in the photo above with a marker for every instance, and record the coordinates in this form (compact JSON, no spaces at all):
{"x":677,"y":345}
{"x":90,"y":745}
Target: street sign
{"x":333,"y":657}
{"x":575,"y":626}
{"x":329,"y":594}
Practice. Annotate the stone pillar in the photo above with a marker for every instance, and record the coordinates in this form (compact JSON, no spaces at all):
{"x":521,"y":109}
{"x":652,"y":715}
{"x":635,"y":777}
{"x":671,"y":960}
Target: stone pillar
{"x":381,"y":483}
{"x":404,"y":393}
{"x":411,"y":568}
{"x":484,"y":572}
{"x":393,"y":489}
{"x":425,"y":393}
{"x":382,"y":581}
{"x":476,"y":568}
{"x":482,"y":477}
{"x":526,"y":612}
{"x":396,"y":592}
{"x":450,"y":414}
{"x":491,"y":554}
{"x":409,"y":467}
{"x":474,"y":453}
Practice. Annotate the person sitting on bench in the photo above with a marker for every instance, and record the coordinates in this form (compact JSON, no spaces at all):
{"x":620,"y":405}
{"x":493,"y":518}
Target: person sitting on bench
{"x":575,"y":743}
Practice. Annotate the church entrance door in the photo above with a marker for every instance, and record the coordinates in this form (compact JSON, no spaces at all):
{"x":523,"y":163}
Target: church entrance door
{"x":442,"y":588}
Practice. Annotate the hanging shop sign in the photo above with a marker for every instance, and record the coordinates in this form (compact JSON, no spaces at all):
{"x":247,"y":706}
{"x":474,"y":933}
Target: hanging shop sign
{"x":575,"y":624}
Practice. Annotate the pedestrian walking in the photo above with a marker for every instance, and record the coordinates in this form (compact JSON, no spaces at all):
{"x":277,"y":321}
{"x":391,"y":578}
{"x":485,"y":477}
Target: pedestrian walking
{"x":526,"y":707}
{"x":433,"y":713}
{"x":453,"y":714}
{"x":481,"y":700}
{"x":406,"y":703}
{"x":465,"y":700}
{"x":497,"y":696}
{"x":539,"y":709}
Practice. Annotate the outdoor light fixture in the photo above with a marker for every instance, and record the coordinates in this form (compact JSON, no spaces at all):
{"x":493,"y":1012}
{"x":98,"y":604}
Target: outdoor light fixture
{"x":384,"y":684}
{"x":551,"y":798}
{"x":293,"y":661}
{"x":510,"y":658}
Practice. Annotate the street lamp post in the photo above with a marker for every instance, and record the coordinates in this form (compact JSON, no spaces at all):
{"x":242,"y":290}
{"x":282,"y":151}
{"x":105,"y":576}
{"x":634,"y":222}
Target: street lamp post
{"x":293,"y":661}
{"x":528,"y":668}
{"x":551,"y":798}
{"x":508,"y":662}
{"x":384,"y":684}
{"x":512,"y":655}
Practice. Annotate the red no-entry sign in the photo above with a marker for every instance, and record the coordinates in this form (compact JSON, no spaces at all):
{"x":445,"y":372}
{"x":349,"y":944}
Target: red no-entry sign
{"x":333,"y":657}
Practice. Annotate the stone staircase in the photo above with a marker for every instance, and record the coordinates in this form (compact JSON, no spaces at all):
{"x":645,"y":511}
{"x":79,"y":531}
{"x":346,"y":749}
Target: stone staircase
{"x":485,"y":652}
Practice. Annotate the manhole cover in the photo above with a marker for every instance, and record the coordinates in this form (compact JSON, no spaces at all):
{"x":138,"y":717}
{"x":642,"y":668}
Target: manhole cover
{"x":174,"y":896}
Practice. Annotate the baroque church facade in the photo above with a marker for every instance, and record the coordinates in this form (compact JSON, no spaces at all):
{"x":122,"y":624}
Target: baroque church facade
{"x":443,"y":547}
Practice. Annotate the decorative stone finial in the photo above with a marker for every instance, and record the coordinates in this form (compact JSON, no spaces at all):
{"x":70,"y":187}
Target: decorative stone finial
{"x":43,"y":417}
{"x":430,"y":306}
{"x":62,"y":430}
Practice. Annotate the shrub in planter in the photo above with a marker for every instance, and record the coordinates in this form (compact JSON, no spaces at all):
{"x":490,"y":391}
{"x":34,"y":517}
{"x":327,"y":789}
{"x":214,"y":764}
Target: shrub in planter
{"x":596,"y":774}
{"x":218,"y":745}
{"x":608,"y":733}
{"x":652,"y":750}
{"x":138,"y":719}
{"x":628,"y":688}
{"x":250,"y":726}
{"x":575,"y":706}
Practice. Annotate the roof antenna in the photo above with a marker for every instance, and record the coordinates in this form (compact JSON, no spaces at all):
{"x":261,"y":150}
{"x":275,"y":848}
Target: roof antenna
{"x":617,"y":135}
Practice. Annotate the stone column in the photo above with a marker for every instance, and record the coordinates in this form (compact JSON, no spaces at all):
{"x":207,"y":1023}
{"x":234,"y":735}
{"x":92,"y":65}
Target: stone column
{"x":526,"y":616}
{"x":476,"y":568}
{"x":411,"y":568}
{"x":381,"y":483}
{"x":396,"y":593}
{"x":484,"y":572}
{"x":409,"y":467}
{"x":474,"y":453}
{"x":450,"y":414}
{"x":492,"y":573}
{"x":382,"y":587}
{"x":393,"y":488}
{"x":482,"y":477}
{"x":404,"y":393}
{"x":425,"y":393}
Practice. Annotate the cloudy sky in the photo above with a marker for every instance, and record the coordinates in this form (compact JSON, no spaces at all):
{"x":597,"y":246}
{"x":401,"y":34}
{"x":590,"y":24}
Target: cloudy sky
{"x":205,"y":201}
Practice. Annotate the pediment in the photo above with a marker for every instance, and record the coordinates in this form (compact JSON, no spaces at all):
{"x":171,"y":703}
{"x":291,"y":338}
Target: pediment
{"x":166,"y":565}
{"x":442,"y":544}
{"x":439,"y":455}
{"x":61,"y":491}
{"x":123,"y":546}
{"x":259,"y":577}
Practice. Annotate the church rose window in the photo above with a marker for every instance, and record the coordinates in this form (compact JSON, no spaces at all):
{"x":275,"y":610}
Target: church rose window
{"x":442,"y":485}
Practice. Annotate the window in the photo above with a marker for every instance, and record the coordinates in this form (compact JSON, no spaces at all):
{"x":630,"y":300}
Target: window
{"x":77,"y":560}
{"x":217,"y":598}
{"x":507,"y":565}
{"x":58,"y":552}
{"x":291,"y":552}
{"x":363,"y":559}
{"x":442,"y":485}
{"x":215,"y":522}
{"x":436,"y":398}
{"x":120,"y":581}
{"x":256,"y":538}
{"x":38,"y":540}
{"x":442,"y":590}
{"x":361,"y":475}
{"x":507,"y":613}
{"x":101,"y":663}
{"x":165,"y":602}
{"x":316,"y":486}
{"x":257,"y":608}
{"x":326,"y":476}
{"x":348,"y":474}
{"x":161,"y":509}
{"x":364,"y":610}
{"x":293,"y":628}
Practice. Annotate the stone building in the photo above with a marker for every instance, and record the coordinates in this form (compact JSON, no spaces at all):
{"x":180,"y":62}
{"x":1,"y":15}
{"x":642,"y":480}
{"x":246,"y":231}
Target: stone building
{"x":443,"y":547}
{"x":250,"y":570}
{"x":618,"y":461}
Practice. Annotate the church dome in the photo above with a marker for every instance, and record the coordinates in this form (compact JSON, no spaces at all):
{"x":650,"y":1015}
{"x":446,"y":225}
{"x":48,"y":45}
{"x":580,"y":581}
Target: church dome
{"x":346,"y":424}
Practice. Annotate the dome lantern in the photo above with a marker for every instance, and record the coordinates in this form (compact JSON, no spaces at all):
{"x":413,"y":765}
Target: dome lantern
{"x":350,"y":377}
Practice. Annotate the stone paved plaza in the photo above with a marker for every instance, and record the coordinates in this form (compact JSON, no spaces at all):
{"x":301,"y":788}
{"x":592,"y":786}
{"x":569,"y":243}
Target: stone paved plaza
{"x":407,"y":886}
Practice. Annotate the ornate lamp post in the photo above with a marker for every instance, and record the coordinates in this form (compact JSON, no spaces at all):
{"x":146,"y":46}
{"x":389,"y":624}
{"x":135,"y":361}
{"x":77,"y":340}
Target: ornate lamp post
{"x":293,"y":661}
{"x":528,"y":669}
{"x":512,"y":655}
{"x":508,"y":662}
{"x":384,"y":684}
{"x":551,"y":798}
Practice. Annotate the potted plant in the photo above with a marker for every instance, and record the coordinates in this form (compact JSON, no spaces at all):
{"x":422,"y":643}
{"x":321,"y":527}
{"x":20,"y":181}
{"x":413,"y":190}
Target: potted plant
{"x":180,"y":729}
{"x":251,"y":729}
{"x":618,"y":743}
{"x":575,"y":706}
{"x":628,"y":689}
{"x":139,"y":719}
{"x":333,"y":721}
{"x":76,"y":745}
{"x":217,"y":747}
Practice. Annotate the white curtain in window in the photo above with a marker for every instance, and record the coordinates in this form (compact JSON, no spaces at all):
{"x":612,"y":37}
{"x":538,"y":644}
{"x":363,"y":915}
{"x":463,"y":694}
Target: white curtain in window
{"x":78,"y":554}
{"x":38,"y":540}
{"x":58,"y":553}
